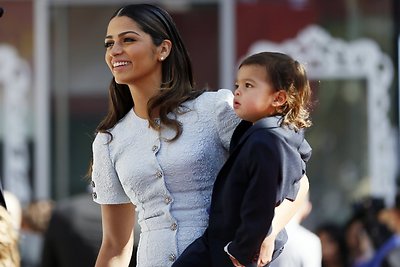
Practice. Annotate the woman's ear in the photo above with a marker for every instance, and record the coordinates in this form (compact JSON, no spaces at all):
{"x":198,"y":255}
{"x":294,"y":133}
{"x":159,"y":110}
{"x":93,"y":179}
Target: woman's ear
{"x":164,"y":49}
{"x":280,"y":98}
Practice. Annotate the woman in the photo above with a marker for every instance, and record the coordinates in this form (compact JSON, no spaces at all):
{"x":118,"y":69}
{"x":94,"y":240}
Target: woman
{"x":161,"y":145}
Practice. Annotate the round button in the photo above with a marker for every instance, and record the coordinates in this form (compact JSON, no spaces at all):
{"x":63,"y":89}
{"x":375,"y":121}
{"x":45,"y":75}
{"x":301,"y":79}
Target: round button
{"x":154,"y":148}
{"x":167,"y":200}
{"x":94,"y":195}
{"x":172,"y":257}
{"x":159,"y":174}
{"x":174,"y":226}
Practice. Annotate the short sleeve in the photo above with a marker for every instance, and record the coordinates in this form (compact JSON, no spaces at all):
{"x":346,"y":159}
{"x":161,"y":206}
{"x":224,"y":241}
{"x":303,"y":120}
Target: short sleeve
{"x":107,"y":188}
{"x":225,"y":117}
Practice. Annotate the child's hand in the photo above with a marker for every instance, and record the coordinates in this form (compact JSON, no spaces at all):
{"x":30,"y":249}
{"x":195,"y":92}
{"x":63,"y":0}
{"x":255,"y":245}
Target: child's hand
{"x":235,"y":262}
{"x":266,"y":251}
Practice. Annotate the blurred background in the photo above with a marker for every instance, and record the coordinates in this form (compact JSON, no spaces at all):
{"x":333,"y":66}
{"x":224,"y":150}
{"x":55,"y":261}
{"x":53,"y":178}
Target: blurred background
{"x":53,"y":87}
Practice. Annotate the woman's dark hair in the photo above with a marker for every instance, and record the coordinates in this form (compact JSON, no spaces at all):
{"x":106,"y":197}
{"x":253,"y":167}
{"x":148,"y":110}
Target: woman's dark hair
{"x":177,"y":78}
{"x":285,"y":73}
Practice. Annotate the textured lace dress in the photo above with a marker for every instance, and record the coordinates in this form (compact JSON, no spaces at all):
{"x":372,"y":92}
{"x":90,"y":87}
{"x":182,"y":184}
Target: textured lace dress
{"x":170,"y":183}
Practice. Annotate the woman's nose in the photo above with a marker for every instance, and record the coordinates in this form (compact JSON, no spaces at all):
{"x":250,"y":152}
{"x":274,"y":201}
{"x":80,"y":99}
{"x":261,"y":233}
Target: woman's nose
{"x":116,"y":49}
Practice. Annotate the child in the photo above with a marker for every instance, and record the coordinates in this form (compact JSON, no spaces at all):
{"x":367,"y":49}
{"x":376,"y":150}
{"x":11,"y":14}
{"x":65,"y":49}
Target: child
{"x":267,"y":159}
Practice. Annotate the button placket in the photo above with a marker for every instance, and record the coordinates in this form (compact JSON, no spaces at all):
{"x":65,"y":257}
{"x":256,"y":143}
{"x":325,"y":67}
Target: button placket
{"x":159,"y":174}
{"x":167,"y":199}
{"x":174,"y":226}
{"x":172,"y":257}
{"x":154,"y":148}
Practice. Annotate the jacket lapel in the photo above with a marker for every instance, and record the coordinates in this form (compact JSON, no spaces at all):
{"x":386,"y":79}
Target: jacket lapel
{"x":245,"y":129}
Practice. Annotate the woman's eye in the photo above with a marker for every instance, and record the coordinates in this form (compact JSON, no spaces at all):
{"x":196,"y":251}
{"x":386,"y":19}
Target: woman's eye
{"x":108,"y":44}
{"x":128,"y":40}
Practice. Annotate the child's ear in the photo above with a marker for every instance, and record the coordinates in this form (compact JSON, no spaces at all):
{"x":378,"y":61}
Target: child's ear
{"x":280,"y":98}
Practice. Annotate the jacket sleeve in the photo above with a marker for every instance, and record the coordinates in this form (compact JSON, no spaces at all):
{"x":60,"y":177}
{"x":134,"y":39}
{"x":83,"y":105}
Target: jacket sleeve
{"x":257,"y":209}
{"x":293,"y":167}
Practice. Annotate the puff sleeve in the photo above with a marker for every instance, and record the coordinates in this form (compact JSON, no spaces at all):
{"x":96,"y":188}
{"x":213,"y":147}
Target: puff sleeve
{"x":107,"y":188}
{"x":225,"y":117}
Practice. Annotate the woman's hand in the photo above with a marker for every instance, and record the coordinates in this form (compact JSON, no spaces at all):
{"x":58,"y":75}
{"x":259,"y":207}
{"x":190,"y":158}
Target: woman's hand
{"x":266,"y":251}
{"x":283,"y":214}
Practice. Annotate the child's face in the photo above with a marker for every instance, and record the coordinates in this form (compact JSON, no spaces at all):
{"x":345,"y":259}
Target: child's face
{"x":254,"y":96}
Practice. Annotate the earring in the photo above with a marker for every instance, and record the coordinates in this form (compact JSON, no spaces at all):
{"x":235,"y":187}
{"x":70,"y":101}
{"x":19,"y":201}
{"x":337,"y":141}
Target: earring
{"x":161,"y":58}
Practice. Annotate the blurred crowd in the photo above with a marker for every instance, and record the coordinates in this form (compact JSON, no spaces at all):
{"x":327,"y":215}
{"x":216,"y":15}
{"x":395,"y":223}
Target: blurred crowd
{"x":370,"y":237}
{"x":68,"y":233}
{"x":45,"y":233}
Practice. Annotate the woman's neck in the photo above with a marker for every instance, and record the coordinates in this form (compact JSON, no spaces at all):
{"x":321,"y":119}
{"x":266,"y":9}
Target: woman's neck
{"x":141,"y":97}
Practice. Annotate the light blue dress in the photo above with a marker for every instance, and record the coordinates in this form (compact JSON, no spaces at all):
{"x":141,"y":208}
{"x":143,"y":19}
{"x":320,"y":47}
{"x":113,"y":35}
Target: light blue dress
{"x":170,"y":183}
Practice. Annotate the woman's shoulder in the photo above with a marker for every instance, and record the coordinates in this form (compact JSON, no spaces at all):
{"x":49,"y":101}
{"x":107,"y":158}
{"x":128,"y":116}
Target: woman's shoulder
{"x":101,"y":141}
{"x":119,"y":128}
{"x":211,"y":101}
{"x":101,"y":138}
{"x":211,"y":96}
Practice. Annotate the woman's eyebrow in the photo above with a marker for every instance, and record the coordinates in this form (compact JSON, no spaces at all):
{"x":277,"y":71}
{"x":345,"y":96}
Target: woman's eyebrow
{"x":122,"y":33}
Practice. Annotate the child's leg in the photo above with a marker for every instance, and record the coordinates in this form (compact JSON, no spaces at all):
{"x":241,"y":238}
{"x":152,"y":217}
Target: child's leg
{"x":196,"y":254}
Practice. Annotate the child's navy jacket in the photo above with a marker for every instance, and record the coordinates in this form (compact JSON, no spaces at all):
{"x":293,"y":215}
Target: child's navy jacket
{"x":265,"y":166}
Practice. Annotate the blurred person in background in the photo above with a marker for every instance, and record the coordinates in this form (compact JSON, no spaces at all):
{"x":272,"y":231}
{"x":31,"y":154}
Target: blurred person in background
{"x":9,"y":250}
{"x":2,"y":200}
{"x":358,"y":242}
{"x":35,"y":219}
{"x":73,"y":237}
{"x":14,"y":207}
{"x":370,"y":233}
{"x":387,"y":254}
{"x":303,"y":248}
{"x":334,"y":252}
{"x":391,"y":249}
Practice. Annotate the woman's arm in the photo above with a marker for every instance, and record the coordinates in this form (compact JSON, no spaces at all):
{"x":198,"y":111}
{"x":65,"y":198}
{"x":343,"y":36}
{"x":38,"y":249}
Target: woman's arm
{"x":118,"y":223}
{"x":283,"y":213}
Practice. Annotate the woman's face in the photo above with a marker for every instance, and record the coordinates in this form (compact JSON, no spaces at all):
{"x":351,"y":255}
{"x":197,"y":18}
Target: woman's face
{"x":130,"y":53}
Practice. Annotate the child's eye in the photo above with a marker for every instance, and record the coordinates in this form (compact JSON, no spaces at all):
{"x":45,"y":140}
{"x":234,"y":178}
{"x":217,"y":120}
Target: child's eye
{"x":236,"y":86}
{"x":248,"y":85}
{"x":108,"y":44}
